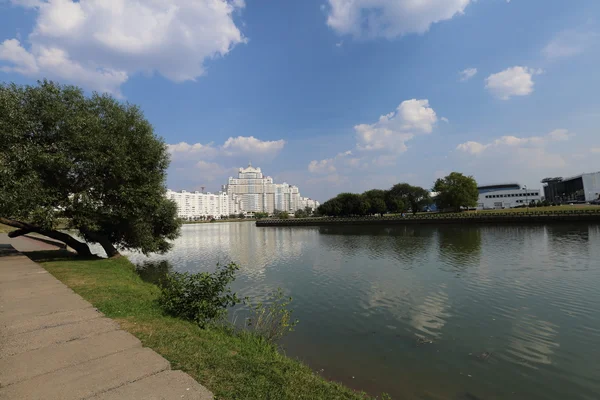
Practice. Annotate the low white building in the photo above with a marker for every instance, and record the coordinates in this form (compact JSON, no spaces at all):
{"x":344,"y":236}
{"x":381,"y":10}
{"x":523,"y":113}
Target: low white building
{"x":196,"y":205}
{"x":507,"y":195}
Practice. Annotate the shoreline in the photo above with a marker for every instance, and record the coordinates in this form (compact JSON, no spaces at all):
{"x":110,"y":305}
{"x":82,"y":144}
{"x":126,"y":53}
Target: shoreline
{"x":484,"y":218}
{"x":230,"y":363}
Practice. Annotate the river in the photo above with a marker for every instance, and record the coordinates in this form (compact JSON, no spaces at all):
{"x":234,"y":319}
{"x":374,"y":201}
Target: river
{"x":512,"y":312}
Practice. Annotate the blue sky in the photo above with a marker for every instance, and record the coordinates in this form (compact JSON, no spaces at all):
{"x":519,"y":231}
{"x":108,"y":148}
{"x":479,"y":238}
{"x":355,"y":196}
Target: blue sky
{"x":333,"y":95}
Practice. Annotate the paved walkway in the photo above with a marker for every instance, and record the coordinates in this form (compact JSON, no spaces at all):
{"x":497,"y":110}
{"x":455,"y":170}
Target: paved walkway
{"x":55,"y":345}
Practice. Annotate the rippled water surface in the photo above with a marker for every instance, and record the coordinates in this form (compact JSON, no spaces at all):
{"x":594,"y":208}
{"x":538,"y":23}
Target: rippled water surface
{"x":512,"y":312}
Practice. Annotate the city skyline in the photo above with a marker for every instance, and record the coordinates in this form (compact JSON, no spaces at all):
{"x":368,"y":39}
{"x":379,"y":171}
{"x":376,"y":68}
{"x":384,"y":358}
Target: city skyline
{"x":333,"y":95}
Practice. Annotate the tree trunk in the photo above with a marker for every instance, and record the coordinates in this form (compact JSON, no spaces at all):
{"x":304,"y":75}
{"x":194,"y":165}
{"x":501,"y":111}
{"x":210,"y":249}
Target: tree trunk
{"x":81,"y":248}
{"x":111,"y":251}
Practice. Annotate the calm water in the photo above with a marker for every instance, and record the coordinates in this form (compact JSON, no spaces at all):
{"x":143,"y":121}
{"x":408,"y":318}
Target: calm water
{"x":529,"y":295}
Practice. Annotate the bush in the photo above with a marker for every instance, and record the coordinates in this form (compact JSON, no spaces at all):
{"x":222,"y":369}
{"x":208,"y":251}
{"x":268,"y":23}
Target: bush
{"x":202,"y":298}
{"x":271,"y":321}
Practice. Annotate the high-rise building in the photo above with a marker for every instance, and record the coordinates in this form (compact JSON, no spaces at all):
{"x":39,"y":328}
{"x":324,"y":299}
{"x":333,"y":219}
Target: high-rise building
{"x":194,"y":205}
{"x":257,"y":193}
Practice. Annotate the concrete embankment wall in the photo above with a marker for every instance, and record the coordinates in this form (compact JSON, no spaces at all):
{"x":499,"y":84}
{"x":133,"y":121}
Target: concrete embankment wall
{"x":437,"y":219}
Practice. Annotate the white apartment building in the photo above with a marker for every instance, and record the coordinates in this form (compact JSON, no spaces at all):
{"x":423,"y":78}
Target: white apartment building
{"x":257,"y":193}
{"x":194,"y":205}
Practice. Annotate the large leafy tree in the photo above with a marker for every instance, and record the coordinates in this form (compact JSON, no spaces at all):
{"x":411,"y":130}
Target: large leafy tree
{"x":90,"y":161}
{"x":376,"y":201}
{"x":403,"y":197}
{"x":456,"y":191}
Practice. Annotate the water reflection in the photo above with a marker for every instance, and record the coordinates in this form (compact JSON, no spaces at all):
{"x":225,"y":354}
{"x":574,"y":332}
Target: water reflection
{"x":154,"y":271}
{"x":527,"y":294}
{"x":460,"y":246}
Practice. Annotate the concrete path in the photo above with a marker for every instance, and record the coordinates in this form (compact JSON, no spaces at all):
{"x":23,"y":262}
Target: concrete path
{"x":55,"y":345}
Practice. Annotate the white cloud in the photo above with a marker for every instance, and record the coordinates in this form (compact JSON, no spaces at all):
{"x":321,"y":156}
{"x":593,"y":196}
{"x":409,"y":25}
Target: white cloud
{"x":378,"y":145}
{"x":98,"y":44}
{"x":569,"y":43}
{"x":241,"y":145}
{"x":390,"y":18}
{"x":444,"y":119}
{"x":328,"y":165}
{"x":211,"y":170}
{"x":477,"y":148}
{"x":467,"y":74}
{"x":595,"y":150}
{"x":393,"y":130}
{"x":252,"y":145}
{"x":515,"y":81}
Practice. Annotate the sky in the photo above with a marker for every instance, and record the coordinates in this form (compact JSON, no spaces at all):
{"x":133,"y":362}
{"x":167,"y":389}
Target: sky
{"x":333,"y":95}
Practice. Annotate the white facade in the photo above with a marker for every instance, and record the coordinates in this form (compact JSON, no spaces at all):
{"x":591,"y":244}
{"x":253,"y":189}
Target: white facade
{"x":308,"y":202}
{"x":507,"y":198}
{"x":195,"y":205}
{"x":257,"y":193}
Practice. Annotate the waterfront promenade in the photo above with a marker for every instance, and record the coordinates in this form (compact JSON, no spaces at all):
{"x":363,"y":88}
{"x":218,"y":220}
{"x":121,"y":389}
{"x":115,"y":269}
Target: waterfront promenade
{"x":56,"y":345}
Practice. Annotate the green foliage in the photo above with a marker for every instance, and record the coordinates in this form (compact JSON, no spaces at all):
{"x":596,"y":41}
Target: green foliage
{"x":376,"y":201}
{"x":272,"y":320}
{"x":92,"y":160}
{"x":202,"y":298}
{"x":260,"y":215}
{"x":456,"y":191}
{"x":241,"y":215}
{"x":281,"y":214}
{"x":399,"y":198}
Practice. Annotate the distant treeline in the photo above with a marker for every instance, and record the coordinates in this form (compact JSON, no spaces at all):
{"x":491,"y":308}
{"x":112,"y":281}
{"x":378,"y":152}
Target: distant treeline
{"x":454,"y":192}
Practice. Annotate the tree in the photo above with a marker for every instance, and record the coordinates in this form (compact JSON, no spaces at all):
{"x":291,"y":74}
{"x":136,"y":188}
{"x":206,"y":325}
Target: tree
{"x":376,"y":199}
{"x":455,"y":191}
{"x":308,"y":210}
{"x":93,"y":161}
{"x":403,"y":197}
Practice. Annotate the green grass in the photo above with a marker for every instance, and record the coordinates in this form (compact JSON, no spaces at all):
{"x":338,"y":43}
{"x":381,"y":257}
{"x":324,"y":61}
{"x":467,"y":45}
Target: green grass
{"x":232,"y":365}
{"x":6,"y":228}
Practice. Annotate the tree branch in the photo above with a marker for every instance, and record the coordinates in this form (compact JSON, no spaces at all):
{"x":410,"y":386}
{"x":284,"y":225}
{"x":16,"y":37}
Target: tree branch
{"x":80,"y":247}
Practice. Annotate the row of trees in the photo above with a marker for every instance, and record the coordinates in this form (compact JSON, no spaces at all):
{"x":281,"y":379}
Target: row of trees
{"x":453,"y":192}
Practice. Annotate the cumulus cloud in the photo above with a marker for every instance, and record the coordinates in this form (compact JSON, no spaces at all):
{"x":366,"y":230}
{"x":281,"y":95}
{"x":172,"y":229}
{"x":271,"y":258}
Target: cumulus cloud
{"x":252,"y":145}
{"x":328,"y":165}
{"x":389,"y":18}
{"x":477,"y":148}
{"x":99,"y":44}
{"x":241,"y":145}
{"x":467,"y":74}
{"x":379,"y":144}
{"x":393,"y":130}
{"x":515,"y":81}
{"x":569,"y":43}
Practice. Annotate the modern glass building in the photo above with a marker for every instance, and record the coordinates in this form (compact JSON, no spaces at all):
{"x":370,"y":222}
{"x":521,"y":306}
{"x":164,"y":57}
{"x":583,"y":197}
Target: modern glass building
{"x":575,"y":189}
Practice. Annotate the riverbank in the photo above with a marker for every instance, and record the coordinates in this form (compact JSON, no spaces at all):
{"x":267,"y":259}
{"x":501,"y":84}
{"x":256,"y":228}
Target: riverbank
{"x":233,"y":365}
{"x":487,"y":218}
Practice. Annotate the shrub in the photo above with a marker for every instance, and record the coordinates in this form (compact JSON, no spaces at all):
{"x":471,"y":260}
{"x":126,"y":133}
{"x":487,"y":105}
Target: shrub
{"x":203,"y":297}
{"x":273,"y":320}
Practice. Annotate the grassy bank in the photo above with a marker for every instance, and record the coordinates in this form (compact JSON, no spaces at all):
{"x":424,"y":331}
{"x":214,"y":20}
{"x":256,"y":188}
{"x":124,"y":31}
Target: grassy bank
{"x":232,"y":365}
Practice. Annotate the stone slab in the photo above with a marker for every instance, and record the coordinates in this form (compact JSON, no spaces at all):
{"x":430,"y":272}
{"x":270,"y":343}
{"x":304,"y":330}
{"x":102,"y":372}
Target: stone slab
{"x":20,"y":324}
{"x":46,"y":288}
{"x":166,"y":385}
{"x":86,"y":380}
{"x":17,"y":344}
{"x":42,"y":305}
{"x":28,"y":365}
